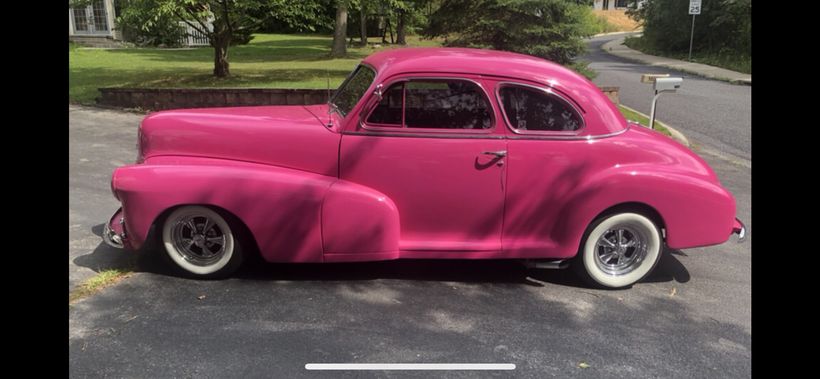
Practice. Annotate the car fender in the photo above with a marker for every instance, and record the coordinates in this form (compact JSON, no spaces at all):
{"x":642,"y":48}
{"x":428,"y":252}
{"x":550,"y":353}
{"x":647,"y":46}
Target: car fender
{"x":281,"y":207}
{"x":359,"y":223}
{"x":294,"y":216}
{"x":694,"y":211}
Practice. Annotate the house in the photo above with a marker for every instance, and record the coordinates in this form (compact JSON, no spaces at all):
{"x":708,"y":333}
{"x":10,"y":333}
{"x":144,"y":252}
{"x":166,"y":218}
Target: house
{"x":615,"y":4}
{"x":94,"y":24}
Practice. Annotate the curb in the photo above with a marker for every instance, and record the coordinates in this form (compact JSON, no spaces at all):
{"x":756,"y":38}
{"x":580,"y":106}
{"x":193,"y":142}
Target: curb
{"x":676,"y":135}
{"x":618,"y":43}
{"x":616,"y":33}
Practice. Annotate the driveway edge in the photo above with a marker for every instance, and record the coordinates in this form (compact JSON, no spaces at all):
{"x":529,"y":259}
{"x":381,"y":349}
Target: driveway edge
{"x":617,"y":48}
{"x":676,"y":135}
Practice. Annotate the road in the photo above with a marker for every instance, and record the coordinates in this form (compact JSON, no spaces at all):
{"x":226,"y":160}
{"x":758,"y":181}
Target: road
{"x":713,"y":114}
{"x":690,"y":318}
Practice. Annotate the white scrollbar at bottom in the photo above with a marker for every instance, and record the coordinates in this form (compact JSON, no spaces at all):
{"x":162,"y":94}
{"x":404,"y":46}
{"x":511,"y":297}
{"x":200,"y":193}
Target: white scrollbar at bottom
{"x":410,"y":366}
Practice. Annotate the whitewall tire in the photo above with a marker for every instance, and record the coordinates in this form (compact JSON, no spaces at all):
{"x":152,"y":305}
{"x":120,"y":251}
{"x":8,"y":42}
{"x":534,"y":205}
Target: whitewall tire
{"x":620,"y":250}
{"x":201,"y":242}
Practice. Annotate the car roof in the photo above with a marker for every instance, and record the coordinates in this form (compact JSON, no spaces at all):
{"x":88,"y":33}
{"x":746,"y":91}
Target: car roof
{"x":597,"y":107}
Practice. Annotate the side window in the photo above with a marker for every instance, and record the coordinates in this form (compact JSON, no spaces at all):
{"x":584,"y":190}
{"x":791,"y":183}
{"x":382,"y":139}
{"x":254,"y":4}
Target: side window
{"x":388,"y":112}
{"x":532,"y":109}
{"x":446,"y":104}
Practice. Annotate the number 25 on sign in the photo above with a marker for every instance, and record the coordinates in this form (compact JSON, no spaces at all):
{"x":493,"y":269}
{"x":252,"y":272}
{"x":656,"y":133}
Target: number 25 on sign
{"x":694,"y":6}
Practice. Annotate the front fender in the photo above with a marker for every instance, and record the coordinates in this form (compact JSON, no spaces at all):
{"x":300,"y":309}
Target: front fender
{"x":280,"y":206}
{"x":694,"y":210}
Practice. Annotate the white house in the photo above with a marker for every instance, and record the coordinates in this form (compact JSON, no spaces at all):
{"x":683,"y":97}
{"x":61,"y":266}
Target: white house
{"x":93,"y":22}
{"x":614,"y":4}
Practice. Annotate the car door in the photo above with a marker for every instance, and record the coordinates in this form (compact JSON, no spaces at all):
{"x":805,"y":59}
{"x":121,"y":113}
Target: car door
{"x":546,"y":161}
{"x":431,"y":144}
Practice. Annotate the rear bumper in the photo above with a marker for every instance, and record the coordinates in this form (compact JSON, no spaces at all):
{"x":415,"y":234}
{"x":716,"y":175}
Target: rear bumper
{"x":114,"y":231}
{"x":739,"y":229}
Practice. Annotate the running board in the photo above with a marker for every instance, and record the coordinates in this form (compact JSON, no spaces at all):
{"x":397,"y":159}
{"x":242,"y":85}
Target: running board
{"x":547,"y":265}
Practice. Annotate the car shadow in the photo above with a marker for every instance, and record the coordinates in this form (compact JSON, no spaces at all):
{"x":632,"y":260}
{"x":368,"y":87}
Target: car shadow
{"x":499,"y":271}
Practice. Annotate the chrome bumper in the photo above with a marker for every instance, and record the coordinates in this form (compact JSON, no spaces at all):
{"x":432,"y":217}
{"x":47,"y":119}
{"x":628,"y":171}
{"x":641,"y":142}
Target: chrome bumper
{"x":740,"y":230}
{"x":110,"y":235}
{"x":111,"y":238}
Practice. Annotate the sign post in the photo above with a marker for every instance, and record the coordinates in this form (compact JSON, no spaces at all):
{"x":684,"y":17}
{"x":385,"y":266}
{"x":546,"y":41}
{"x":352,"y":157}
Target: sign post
{"x":694,"y":9}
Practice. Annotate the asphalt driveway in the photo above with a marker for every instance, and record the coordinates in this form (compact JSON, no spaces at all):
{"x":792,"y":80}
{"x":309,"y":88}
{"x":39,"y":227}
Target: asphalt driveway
{"x":714,"y":114}
{"x":691,"y":318}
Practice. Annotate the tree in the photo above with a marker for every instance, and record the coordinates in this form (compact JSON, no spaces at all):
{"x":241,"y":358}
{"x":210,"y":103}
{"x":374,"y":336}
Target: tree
{"x":363,"y":21}
{"x":550,"y":29}
{"x":139,"y":23}
{"x":224,"y":22}
{"x":723,"y":25}
{"x":339,"y":48}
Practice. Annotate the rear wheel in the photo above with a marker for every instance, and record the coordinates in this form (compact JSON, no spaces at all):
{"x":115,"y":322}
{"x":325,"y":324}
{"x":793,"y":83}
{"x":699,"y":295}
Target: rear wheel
{"x":619,"y":250}
{"x":201,"y":242}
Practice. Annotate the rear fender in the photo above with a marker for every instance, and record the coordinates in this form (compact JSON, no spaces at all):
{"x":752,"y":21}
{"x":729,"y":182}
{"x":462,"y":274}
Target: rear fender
{"x":694,"y":211}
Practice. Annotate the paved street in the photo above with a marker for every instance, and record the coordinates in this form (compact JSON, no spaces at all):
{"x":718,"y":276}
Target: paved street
{"x":690,"y":319}
{"x":713,"y":114}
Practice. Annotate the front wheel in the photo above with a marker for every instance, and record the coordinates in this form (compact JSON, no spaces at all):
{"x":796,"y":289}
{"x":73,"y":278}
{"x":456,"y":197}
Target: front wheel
{"x":620,"y":250}
{"x":201,"y":242}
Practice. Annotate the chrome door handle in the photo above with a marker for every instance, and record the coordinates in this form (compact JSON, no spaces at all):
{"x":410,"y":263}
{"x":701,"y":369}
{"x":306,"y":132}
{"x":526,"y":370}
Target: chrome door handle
{"x":499,"y":154}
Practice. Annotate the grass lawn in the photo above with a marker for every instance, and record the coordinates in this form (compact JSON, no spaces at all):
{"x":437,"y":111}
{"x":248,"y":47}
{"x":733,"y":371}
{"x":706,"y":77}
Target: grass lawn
{"x":614,"y":20}
{"x":269,"y":60}
{"x":643,"y":120}
{"x":735,"y":62}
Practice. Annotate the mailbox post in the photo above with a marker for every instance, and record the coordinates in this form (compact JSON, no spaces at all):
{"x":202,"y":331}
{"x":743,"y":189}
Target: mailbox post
{"x":661,"y":83}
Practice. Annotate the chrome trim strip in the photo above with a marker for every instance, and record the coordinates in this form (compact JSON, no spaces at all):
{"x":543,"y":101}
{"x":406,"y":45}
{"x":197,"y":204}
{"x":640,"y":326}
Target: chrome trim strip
{"x":564,"y":137}
{"x":474,"y":136}
{"x":550,"y":92}
{"x":423,"y":135}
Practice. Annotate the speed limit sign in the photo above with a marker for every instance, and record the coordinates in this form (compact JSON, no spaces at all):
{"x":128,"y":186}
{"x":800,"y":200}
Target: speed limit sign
{"x":694,"y":6}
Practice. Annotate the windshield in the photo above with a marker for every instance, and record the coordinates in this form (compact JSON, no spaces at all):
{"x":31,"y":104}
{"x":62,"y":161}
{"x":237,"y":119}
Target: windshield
{"x":352,"y":89}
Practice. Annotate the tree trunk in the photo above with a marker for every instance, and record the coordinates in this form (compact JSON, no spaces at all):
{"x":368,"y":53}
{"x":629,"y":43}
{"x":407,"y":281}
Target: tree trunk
{"x":400,"y":29}
{"x":339,"y":48}
{"x":221,"y":65}
{"x":363,"y":20}
{"x":390,"y":29}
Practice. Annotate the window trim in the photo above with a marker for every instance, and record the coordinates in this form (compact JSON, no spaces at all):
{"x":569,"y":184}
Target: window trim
{"x":550,"y":92}
{"x":403,"y":127}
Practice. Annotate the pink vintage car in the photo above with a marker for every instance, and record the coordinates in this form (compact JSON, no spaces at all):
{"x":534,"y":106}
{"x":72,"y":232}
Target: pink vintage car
{"x":422,"y":153}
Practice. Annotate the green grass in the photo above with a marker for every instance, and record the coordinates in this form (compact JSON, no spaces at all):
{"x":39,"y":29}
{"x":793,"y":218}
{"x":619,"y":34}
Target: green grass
{"x":96,"y":283}
{"x":643,"y":120}
{"x":268,"y":61}
{"x":728,"y":60}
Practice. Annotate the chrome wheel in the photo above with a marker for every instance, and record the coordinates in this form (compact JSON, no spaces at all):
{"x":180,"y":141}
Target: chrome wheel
{"x":199,"y":240}
{"x":620,"y":250}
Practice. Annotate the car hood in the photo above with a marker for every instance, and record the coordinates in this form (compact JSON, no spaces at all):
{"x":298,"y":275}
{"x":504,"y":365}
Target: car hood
{"x":288,"y":136}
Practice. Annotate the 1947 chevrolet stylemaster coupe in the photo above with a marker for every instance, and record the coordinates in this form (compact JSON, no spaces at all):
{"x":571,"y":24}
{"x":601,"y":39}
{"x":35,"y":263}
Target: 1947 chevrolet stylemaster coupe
{"x":422,"y":153}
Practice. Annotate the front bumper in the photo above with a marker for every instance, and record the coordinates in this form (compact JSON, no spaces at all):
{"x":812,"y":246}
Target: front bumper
{"x":114,"y":231}
{"x":739,"y":229}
